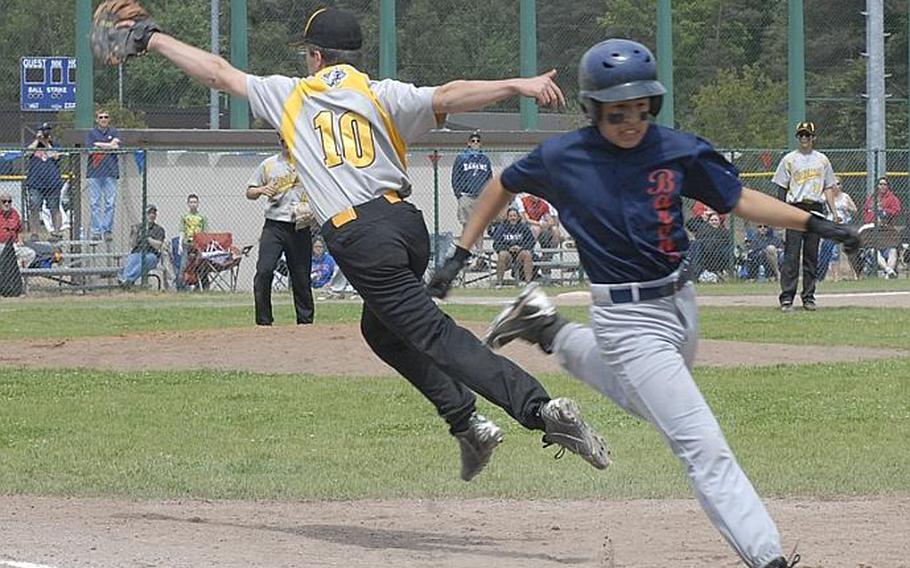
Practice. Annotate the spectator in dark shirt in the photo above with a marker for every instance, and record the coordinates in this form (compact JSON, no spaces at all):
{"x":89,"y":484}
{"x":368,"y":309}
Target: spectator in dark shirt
{"x":762,"y":249}
{"x":711,"y":249}
{"x":44,"y":181}
{"x":102,"y":173}
{"x":470,"y":173}
{"x":513,"y":243}
{"x":146,"y":249}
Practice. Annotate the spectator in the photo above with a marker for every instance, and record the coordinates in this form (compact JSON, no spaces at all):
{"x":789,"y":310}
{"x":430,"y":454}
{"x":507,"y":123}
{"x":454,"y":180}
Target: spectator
{"x":711,"y":249}
{"x":44,"y":181}
{"x":147,"y":247}
{"x":11,"y":231}
{"x":323,"y":265}
{"x":700,"y":210}
{"x":325,"y":273}
{"x":513,"y":242}
{"x":191,"y":224}
{"x":883,"y":208}
{"x":763,"y":248}
{"x":285,"y":231}
{"x":541,"y":217}
{"x":470,"y":173}
{"x":829,"y":253}
{"x":806,"y":180}
{"x":102,"y":172}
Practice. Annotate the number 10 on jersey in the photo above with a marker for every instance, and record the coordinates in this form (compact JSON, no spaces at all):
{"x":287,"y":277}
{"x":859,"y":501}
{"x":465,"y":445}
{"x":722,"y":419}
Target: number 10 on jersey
{"x":356,"y":148}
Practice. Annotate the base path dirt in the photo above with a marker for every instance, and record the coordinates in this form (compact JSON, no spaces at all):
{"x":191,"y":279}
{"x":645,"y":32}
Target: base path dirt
{"x":279,"y":349}
{"x":103,"y":533}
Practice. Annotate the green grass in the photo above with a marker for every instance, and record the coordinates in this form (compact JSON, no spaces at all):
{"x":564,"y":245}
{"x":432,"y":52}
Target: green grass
{"x":821,"y":430}
{"x":734,"y":288}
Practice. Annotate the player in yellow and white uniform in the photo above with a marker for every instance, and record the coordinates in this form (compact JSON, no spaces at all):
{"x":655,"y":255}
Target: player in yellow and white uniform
{"x":348,"y":136}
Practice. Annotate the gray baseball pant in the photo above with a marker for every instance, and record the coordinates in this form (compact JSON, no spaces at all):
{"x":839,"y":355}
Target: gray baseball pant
{"x":640,"y":355}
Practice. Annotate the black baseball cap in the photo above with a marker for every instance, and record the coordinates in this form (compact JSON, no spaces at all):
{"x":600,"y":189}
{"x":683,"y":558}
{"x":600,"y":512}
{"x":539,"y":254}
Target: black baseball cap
{"x":45,"y":127}
{"x":151,"y":207}
{"x":805,"y":127}
{"x":331,"y":28}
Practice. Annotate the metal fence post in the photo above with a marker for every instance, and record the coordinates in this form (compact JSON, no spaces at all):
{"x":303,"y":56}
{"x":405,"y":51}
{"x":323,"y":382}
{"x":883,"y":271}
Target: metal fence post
{"x":434,"y":159}
{"x":144,"y":229}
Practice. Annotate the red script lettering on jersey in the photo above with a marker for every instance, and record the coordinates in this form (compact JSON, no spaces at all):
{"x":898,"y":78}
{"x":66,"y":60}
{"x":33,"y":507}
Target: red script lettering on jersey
{"x":663,"y":184}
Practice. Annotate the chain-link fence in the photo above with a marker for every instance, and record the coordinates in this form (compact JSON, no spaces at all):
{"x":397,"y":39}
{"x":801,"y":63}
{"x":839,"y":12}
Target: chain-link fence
{"x":730,"y":58}
{"x":65,"y":255}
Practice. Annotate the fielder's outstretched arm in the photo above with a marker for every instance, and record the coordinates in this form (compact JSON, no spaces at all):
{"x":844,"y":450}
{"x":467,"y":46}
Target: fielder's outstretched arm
{"x":207,"y":68}
{"x":465,"y":96}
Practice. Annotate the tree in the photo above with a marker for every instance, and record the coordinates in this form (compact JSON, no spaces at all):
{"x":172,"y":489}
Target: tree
{"x":739,"y":109}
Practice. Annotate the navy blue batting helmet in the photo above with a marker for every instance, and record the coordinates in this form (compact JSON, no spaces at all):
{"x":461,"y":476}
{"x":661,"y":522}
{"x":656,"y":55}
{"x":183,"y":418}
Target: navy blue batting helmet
{"x":618,"y":70}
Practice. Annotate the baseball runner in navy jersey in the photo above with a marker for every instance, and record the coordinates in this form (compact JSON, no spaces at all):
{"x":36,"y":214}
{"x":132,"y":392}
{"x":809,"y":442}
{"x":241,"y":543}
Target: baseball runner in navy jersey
{"x":348,"y":136}
{"x":618,"y":186}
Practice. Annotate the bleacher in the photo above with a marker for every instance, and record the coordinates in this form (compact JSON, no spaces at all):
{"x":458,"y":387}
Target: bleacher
{"x":82,"y":265}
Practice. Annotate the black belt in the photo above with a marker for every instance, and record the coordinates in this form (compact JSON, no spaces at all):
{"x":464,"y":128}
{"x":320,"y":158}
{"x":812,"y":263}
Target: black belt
{"x":646,"y":293}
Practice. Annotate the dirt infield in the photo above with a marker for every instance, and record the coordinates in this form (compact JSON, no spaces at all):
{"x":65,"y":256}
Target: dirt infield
{"x":42,"y":532}
{"x":104,"y":533}
{"x":277,"y":350}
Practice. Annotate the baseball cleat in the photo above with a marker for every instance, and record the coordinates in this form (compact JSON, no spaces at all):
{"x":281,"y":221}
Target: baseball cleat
{"x":477,"y":444}
{"x":525,"y":317}
{"x":565,"y":427}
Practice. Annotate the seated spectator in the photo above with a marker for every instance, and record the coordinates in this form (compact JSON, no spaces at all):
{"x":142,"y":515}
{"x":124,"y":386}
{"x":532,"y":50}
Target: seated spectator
{"x":711,"y":249}
{"x":513,"y":243}
{"x":326,"y":274}
{"x":11,"y":231}
{"x":702,"y":211}
{"x":763,"y":247}
{"x":883,"y":208}
{"x":541,"y":217}
{"x":146,"y":250}
{"x":829,"y":255}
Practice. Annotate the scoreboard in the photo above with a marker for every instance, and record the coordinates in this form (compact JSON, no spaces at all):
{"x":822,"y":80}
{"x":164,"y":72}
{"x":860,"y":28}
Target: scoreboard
{"x":47,"y":83}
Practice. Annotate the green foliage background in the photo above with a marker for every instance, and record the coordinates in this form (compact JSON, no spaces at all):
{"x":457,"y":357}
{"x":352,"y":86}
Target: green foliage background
{"x":730,"y":64}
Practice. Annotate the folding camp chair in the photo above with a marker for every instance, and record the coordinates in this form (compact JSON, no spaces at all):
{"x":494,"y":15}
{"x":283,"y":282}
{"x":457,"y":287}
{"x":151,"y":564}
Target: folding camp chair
{"x":214,"y":261}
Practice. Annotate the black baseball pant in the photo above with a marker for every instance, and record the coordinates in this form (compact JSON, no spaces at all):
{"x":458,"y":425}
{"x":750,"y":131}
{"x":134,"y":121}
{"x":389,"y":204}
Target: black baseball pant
{"x":797,"y":242}
{"x":297,"y":246}
{"x":384,"y":252}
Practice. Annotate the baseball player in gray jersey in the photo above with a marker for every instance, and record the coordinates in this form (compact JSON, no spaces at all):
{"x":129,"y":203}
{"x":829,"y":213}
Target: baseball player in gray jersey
{"x":277,"y":180}
{"x":806,"y":180}
{"x":348,"y":138}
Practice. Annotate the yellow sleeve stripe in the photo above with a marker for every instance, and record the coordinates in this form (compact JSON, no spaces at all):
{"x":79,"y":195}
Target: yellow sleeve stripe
{"x":293,"y":106}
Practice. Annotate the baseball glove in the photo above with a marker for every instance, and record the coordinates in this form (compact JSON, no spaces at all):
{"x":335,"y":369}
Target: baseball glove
{"x":304,"y":219}
{"x":121,"y":29}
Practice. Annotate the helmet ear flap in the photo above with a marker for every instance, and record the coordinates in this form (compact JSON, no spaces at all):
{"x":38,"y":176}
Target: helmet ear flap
{"x":591,"y":108}
{"x":656,"y":103}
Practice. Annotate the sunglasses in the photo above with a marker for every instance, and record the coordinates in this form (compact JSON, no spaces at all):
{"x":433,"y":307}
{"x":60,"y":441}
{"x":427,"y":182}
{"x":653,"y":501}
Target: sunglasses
{"x":620,"y":117}
{"x":102,"y":116}
{"x":6,"y":200}
{"x":474,"y":141}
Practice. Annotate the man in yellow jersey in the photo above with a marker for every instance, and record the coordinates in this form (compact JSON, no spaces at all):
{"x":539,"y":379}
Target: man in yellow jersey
{"x":348,"y":136}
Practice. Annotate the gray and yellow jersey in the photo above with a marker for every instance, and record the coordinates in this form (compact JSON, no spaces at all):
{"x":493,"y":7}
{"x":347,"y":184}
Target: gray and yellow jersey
{"x":275,"y":169}
{"x":806,"y":176}
{"x":348,"y":135}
